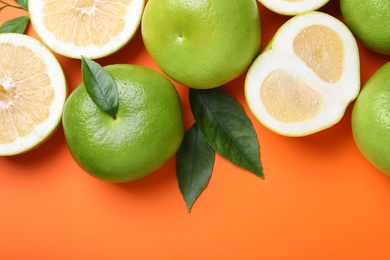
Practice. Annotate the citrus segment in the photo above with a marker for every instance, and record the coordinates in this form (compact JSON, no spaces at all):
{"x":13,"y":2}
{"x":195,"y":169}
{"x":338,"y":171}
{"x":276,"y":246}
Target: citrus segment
{"x":305,"y":79}
{"x":32,"y":93}
{"x":86,"y":27}
{"x":287,"y":97}
{"x":324,"y":57}
{"x":293,"y":7}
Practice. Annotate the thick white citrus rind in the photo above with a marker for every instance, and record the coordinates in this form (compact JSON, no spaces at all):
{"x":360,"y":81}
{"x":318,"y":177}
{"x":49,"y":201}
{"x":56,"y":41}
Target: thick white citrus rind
{"x":132,"y":18}
{"x":293,"y":8}
{"x":280,"y":55}
{"x":57,"y":78}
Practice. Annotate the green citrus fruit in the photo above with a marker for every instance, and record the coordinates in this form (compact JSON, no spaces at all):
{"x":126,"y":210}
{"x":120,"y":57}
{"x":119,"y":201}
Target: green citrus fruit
{"x":371,"y":119}
{"x":146,"y":133}
{"x":202,"y":43}
{"x":369,"y":20}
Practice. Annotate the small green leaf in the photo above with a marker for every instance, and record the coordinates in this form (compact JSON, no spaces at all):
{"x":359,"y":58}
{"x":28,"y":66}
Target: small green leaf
{"x":16,"y":25}
{"x":227,"y":128}
{"x":100,"y":86}
{"x":23,"y":3}
{"x":194,"y":165}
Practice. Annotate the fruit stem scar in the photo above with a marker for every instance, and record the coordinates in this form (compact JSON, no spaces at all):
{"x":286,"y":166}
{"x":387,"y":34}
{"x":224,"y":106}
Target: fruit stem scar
{"x":5,"y":84}
{"x":85,"y":6}
{"x":180,"y":35}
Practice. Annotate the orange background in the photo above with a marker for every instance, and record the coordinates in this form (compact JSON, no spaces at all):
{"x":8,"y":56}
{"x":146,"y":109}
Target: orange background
{"x":320,"y":199}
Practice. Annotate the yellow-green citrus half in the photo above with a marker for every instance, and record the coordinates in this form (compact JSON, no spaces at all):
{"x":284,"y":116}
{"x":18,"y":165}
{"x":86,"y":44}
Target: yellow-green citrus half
{"x":293,"y":7}
{"x":32,"y":93}
{"x":90,"y":28}
{"x":307,"y":76}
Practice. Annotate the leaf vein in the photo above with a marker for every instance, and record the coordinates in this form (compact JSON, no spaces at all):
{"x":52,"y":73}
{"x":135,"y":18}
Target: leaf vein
{"x":209,"y":106}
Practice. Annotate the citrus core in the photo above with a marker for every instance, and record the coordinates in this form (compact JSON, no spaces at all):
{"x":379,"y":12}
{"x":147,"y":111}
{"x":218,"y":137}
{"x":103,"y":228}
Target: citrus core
{"x":146,"y":132}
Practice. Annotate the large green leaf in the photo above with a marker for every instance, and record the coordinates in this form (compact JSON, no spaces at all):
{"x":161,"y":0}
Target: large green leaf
{"x":100,"y":86}
{"x":194,"y":165}
{"x":227,"y":128}
{"x":15,"y":25}
{"x":23,"y":3}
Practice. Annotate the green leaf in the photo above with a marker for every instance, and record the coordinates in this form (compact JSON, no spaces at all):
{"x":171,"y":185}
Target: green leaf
{"x":227,"y":128}
{"x":16,"y":25}
{"x":23,"y":3}
{"x":194,"y":165}
{"x":100,"y":86}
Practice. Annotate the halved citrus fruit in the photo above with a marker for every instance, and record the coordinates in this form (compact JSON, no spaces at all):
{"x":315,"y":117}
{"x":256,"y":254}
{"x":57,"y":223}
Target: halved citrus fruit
{"x":91,"y":28}
{"x":293,"y":7}
{"x":305,"y":79}
{"x":32,"y":93}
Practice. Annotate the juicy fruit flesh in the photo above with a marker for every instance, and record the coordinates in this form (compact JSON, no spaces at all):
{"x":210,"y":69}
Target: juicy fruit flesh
{"x":85,"y":22}
{"x":288,"y":99}
{"x":324,"y":57}
{"x":25,"y":92}
{"x":286,"y":96}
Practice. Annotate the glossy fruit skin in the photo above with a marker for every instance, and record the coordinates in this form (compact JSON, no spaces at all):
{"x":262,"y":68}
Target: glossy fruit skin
{"x":146,"y":133}
{"x":369,"y":21}
{"x":202,"y":43}
{"x":371,"y":119}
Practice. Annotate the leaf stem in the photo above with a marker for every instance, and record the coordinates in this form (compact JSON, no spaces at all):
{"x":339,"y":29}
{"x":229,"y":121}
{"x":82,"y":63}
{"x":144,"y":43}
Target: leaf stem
{"x":6,"y":4}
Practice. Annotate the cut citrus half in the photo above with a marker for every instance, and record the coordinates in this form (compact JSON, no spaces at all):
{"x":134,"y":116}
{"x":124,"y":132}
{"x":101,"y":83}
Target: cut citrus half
{"x":293,"y":7}
{"x":32,"y":93}
{"x":91,"y":28}
{"x":305,"y":79}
